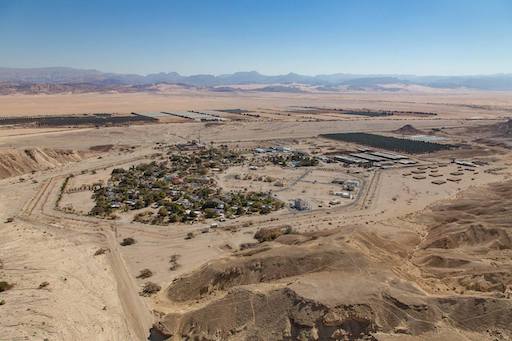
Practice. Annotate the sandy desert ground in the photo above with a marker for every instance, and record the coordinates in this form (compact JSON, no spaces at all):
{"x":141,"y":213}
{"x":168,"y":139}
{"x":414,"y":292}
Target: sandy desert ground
{"x":458,"y":104}
{"x":404,"y":259}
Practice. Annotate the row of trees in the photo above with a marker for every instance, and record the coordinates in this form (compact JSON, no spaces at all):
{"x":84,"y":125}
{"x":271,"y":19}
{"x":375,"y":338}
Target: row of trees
{"x":295,"y":158}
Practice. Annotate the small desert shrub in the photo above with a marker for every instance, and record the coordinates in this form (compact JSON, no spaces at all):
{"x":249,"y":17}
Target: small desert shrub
{"x":173,"y":261}
{"x":4,"y":286}
{"x":143,"y":217}
{"x":271,"y":233}
{"x":101,"y":251}
{"x":44,"y":284}
{"x":210,"y":213}
{"x":149,"y":289}
{"x":145,"y":273}
{"x":245,"y":246}
{"x":247,"y":223}
{"x":127,"y":241}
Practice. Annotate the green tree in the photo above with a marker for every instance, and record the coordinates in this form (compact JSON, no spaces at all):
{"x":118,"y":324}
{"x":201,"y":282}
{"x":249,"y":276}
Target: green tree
{"x":210,"y":213}
{"x":163,"y":212}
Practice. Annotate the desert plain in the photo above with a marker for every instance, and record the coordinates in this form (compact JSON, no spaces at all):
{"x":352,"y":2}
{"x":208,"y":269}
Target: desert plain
{"x":416,"y":250}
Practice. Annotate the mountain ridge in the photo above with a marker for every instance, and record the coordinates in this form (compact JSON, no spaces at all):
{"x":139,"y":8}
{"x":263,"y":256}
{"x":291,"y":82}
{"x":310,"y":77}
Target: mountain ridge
{"x":68,"y":75}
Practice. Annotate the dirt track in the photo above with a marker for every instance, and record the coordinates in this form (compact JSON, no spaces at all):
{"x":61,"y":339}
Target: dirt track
{"x":38,"y":212}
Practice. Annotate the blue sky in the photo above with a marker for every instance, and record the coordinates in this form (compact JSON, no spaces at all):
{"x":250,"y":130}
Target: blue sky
{"x":442,"y":37}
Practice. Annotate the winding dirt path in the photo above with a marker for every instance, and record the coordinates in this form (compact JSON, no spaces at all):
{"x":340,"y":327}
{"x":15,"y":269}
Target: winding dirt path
{"x":39,"y":211}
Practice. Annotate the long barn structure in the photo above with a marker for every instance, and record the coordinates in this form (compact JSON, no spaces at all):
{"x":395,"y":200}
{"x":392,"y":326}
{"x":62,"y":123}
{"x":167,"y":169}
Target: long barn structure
{"x":350,"y":159}
{"x":369,"y":157}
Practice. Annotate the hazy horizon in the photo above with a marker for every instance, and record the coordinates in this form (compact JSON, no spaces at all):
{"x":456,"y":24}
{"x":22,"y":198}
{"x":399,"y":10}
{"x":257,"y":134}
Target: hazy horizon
{"x":334,"y":72}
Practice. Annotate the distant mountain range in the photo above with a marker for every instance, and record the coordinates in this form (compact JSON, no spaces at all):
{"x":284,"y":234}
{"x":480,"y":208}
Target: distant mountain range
{"x":68,"y":76}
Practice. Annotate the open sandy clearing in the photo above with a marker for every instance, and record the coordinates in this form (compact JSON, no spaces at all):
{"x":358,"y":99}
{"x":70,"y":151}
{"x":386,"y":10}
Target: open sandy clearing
{"x":451,"y":103}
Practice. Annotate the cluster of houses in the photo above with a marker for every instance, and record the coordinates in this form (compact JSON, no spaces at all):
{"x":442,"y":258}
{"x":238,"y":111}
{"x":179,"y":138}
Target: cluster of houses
{"x":285,"y":156}
{"x":135,"y":195}
{"x":348,"y":188}
{"x":179,"y":190}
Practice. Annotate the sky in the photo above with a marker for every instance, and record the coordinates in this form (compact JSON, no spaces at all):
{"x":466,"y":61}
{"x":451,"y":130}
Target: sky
{"x":434,"y":37}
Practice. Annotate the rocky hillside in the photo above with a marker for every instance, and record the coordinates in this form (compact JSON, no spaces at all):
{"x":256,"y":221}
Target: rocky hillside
{"x":408,"y":130}
{"x":20,"y":161}
{"x":450,"y":281}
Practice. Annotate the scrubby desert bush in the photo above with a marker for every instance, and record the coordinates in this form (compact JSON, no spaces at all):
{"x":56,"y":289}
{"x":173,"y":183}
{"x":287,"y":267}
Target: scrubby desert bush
{"x":44,"y":284}
{"x":101,"y":251}
{"x":143,"y":217}
{"x":149,"y":289}
{"x":173,"y":261}
{"x":210,"y":213}
{"x":271,"y":233}
{"x":127,"y":241}
{"x":145,"y":273}
{"x":4,"y":286}
{"x":245,"y":246}
{"x":247,"y":223}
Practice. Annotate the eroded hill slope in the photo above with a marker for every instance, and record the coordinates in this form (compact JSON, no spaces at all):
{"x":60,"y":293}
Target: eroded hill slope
{"x":20,"y":161}
{"x":448,"y":280}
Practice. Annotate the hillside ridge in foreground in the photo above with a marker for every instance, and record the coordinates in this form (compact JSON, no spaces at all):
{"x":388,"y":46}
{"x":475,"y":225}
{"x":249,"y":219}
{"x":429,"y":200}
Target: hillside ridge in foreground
{"x":453,"y":283}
